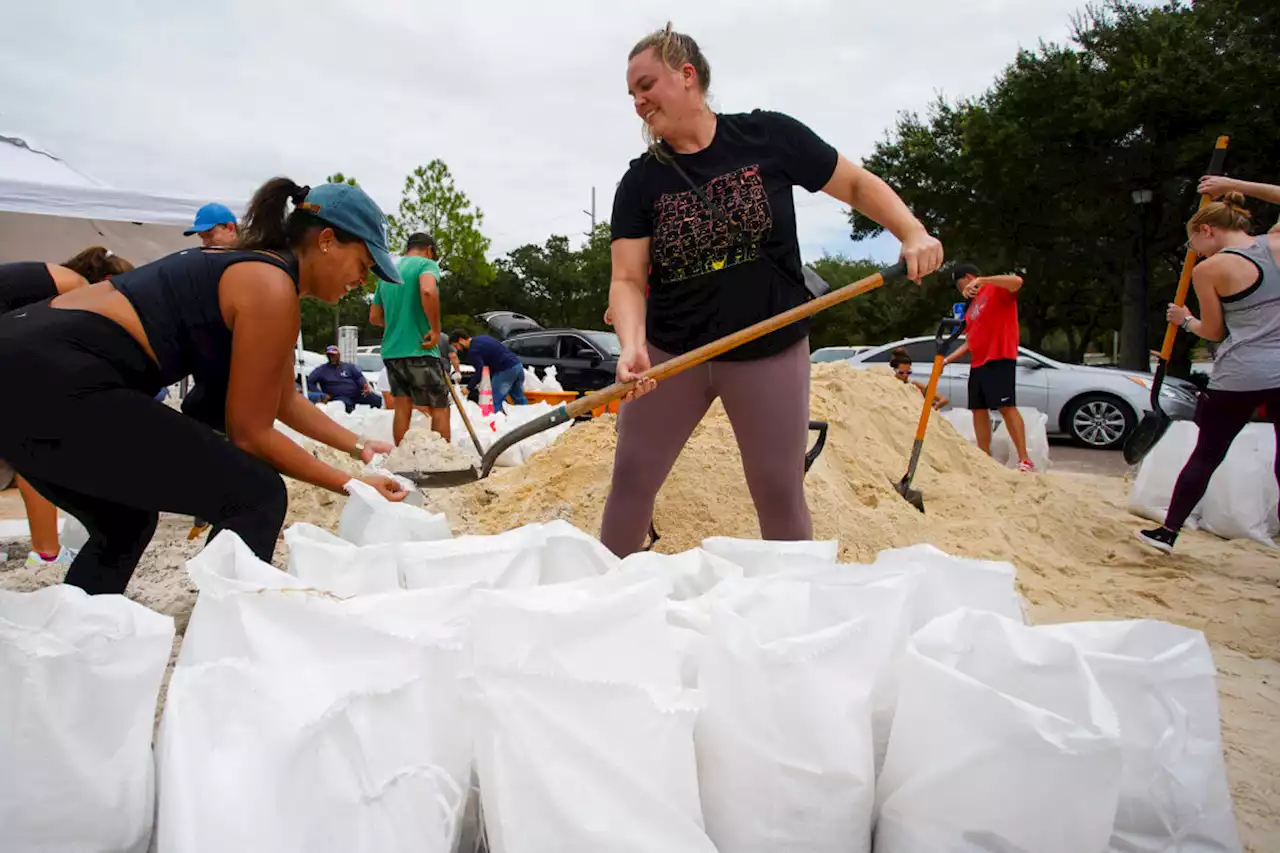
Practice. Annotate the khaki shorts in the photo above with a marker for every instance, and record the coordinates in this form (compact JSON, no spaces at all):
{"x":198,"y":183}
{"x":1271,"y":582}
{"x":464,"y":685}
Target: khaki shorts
{"x":419,"y":378}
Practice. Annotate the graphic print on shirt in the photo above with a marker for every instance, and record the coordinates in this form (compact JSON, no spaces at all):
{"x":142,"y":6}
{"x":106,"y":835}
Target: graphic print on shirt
{"x":689,"y":241}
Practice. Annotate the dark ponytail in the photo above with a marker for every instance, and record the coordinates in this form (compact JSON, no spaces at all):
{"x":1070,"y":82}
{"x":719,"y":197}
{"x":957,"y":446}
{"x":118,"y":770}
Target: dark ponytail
{"x":899,"y":357}
{"x":98,"y":263}
{"x":268,"y":226}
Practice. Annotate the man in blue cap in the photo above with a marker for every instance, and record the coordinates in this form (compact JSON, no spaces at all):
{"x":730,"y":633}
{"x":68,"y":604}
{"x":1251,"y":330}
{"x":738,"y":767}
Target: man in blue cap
{"x":216,"y":225}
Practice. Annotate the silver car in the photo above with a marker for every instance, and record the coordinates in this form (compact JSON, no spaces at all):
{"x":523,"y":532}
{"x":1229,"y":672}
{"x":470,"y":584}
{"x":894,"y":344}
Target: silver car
{"x":1096,"y":406}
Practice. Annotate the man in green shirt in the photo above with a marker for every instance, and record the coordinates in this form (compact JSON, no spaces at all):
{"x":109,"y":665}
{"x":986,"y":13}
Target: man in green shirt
{"x":410,"y":312}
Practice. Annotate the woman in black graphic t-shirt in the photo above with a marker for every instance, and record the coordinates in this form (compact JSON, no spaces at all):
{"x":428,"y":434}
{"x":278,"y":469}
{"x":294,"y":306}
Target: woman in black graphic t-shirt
{"x":712,"y":270}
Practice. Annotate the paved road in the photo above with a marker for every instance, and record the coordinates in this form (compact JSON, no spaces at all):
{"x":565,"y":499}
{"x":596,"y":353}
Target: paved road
{"x":1070,"y":457}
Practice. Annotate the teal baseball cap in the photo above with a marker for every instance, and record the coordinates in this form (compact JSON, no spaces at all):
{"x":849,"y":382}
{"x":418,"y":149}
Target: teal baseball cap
{"x":351,"y":209}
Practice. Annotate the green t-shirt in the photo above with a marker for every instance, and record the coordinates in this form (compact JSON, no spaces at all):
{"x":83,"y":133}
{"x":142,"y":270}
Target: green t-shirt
{"x":407,"y":323}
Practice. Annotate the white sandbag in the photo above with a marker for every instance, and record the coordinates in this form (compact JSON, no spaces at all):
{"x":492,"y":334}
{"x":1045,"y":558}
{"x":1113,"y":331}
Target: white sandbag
{"x":962,"y":421}
{"x":81,"y":675}
{"x":1003,"y":740}
{"x":550,"y":384}
{"x":1036,"y":423}
{"x":570,"y":554}
{"x":575,"y":631}
{"x":1153,"y":486}
{"x":1242,"y":497}
{"x":1160,"y":678}
{"x":526,"y":556}
{"x":948,"y":583}
{"x":531,"y":380}
{"x":324,"y":561}
{"x":343,"y":758}
{"x":764,"y":556}
{"x":784,"y":742}
{"x":370,"y":519}
{"x":691,"y":573}
{"x":569,"y":766}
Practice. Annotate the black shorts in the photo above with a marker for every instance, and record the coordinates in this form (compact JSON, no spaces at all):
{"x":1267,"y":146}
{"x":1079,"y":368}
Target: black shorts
{"x":994,"y":385}
{"x":418,"y":377}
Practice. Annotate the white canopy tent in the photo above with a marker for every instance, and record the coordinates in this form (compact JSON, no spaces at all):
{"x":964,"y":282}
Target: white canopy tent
{"x":49,"y":211}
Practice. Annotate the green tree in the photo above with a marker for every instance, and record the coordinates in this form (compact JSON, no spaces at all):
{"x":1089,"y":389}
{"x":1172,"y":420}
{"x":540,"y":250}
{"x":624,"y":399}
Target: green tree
{"x":432,"y":202}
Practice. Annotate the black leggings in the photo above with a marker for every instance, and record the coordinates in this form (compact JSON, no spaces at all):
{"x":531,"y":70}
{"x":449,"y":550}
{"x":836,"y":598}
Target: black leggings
{"x":84,"y":428}
{"x":1220,"y":415}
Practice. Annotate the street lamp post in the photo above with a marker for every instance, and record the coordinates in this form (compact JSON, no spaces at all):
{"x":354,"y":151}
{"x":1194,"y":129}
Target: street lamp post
{"x":1142,"y":198}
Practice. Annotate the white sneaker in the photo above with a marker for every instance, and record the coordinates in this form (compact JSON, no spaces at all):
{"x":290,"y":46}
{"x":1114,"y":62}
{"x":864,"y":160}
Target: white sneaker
{"x":64,"y":558}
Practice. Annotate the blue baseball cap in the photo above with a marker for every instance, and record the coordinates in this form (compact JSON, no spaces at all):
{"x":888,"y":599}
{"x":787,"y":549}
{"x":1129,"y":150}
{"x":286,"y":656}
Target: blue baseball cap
{"x":209,"y":216}
{"x":351,"y":209}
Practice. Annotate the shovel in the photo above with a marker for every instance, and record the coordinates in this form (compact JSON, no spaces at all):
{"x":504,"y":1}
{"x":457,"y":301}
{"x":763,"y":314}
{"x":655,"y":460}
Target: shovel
{"x":903,"y":486}
{"x":585,"y":404}
{"x":1156,"y":422}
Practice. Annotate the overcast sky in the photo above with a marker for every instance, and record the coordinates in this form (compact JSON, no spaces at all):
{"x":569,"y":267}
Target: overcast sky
{"x":525,"y":101}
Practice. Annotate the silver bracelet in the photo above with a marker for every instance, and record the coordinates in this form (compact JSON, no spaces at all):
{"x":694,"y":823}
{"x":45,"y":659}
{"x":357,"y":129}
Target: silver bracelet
{"x":1187,"y":322}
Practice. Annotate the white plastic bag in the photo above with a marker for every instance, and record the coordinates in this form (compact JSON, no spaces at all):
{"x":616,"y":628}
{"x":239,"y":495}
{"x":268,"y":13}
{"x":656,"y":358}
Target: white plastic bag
{"x":1036,"y":423}
{"x":531,"y":380}
{"x":784,"y":743}
{"x":370,"y":519}
{"x":948,"y":583}
{"x":765,"y":556}
{"x":81,"y":675}
{"x":962,"y":421}
{"x":569,"y":766}
{"x":1003,"y":740}
{"x":1242,"y":497}
{"x":328,"y":562}
{"x":691,"y":573}
{"x":1162,"y":682}
{"x":1153,"y":486}
{"x":550,"y":384}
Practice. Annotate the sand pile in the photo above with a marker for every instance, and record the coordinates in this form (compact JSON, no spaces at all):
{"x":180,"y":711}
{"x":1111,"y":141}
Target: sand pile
{"x":423,"y":449}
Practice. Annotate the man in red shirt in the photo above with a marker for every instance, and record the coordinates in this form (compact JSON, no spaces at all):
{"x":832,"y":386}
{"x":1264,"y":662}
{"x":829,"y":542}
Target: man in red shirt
{"x":991,"y":335}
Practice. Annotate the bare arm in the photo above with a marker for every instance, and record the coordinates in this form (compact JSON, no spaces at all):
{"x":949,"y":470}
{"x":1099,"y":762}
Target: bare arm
{"x":296,"y":413}
{"x":1210,"y":326}
{"x":376,"y":316}
{"x":868,"y":194}
{"x":430,"y":306}
{"x":1011,"y":283}
{"x":959,"y":353}
{"x":1215,"y":186}
{"x":629,"y":276}
{"x":261,"y":307}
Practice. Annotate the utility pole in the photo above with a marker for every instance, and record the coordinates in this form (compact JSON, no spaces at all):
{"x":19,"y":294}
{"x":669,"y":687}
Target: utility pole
{"x":592,"y":211}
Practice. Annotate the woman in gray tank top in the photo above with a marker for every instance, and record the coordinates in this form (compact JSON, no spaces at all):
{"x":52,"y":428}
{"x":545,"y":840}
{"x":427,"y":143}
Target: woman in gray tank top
{"x":1238,"y":287}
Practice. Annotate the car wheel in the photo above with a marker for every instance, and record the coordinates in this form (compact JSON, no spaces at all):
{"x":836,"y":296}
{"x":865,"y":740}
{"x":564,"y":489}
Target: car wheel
{"x":1099,"y":421}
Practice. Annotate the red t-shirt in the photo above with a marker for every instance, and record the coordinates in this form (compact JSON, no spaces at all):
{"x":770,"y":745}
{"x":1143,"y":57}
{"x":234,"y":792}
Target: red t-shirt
{"x":991,"y":325}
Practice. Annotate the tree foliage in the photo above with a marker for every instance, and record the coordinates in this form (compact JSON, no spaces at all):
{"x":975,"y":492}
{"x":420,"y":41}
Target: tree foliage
{"x":431,"y":202}
{"x":1036,"y":174}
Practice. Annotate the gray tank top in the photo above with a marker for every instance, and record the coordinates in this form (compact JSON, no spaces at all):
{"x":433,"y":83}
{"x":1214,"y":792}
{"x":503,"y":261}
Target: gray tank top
{"x":1249,"y":358}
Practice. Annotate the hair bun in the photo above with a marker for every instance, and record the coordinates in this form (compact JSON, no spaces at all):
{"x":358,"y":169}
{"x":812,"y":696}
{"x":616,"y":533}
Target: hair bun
{"x":299,"y":194}
{"x":1233,"y":198}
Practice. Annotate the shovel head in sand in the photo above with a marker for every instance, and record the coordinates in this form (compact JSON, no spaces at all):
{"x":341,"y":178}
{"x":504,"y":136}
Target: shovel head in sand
{"x":600,"y":399}
{"x":943,"y":342}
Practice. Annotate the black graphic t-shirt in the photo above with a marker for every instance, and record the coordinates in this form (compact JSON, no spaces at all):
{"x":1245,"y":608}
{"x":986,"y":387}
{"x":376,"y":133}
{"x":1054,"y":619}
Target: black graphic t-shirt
{"x":708,"y":279}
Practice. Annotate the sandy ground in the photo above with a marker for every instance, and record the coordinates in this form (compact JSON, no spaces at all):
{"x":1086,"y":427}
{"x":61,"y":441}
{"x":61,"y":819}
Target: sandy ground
{"x":1068,"y":533}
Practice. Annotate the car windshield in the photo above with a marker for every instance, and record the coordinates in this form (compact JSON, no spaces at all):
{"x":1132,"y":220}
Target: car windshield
{"x":606,"y":341}
{"x":834,"y":354}
{"x":368,"y":362}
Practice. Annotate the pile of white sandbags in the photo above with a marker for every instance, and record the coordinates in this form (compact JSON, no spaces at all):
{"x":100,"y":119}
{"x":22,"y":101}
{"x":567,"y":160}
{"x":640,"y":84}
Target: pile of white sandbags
{"x":1242,"y":498}
{"x":79,"y":680}
{"x":410,"y":691}
{"x":489,"y":428}
{"x":1002,"y":448}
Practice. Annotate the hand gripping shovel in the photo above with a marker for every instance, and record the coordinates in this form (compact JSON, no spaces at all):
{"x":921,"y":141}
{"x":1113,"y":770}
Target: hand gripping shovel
{"x":585,"y":404}
{"x":903,"y":486}
{"x":1156,"y":422}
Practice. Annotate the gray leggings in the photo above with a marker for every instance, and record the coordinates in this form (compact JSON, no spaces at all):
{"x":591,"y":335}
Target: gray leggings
{"x":767,"y":401}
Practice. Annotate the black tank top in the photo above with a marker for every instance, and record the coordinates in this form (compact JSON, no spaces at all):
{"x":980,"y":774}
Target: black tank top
{"x":24,"y":283}
{"x":176,"y":299}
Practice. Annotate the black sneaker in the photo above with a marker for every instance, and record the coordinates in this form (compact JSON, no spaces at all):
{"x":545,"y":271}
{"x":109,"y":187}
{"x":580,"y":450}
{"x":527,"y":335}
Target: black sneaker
{"x":1161,"y":538}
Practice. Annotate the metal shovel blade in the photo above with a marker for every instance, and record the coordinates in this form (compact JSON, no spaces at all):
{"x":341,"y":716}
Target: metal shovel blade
{"x":1145,"y":436}
{"x":440,"y":479}
{"x":910,"y":495}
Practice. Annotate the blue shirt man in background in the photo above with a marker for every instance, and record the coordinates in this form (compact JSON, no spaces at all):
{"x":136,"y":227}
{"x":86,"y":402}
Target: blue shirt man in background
{"x":506,"y":371}
{"x":338,"y":380}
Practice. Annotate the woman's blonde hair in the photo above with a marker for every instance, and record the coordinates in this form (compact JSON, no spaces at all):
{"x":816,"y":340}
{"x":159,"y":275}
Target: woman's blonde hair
{"x":674,"y":49}
{"x":1229,"y":213}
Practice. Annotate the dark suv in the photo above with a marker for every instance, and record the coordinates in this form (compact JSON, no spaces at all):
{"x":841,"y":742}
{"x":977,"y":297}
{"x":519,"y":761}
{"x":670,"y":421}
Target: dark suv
{"x":584,"y":360}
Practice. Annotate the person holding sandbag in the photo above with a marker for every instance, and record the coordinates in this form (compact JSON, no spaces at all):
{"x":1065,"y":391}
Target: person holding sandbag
{"x":1238,"y":287}
{"x":89,"y":434}
{"x":710,"y":207}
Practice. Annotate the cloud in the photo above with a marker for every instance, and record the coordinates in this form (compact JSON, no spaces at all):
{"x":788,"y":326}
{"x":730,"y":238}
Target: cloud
{"x":526,"y":102}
